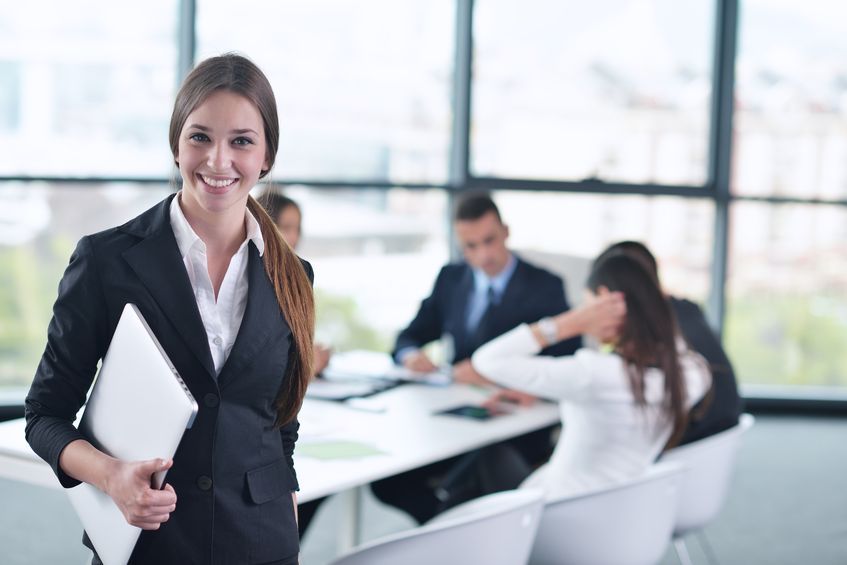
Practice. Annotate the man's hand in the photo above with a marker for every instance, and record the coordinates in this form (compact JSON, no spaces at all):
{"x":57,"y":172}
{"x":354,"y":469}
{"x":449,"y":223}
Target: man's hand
{"x":142,"y":506}
{"x":463,"y":372}
{"x":418,"y":361}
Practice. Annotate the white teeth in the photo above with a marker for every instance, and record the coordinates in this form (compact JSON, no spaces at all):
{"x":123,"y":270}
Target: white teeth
{"x":218,"y":183}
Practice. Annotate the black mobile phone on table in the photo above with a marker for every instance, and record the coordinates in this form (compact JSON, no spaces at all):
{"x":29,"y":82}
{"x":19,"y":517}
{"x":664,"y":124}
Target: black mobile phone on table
{"x":480,"y":413}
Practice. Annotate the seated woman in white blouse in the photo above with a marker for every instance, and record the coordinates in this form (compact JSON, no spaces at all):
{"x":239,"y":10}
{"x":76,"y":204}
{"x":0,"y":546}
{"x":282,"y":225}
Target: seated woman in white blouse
{"x":620,"y":405}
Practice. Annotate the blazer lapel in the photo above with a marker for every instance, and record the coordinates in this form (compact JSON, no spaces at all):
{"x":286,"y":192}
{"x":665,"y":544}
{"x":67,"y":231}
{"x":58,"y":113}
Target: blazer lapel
{"x":157,"y":263}
{"x":261,"y":315}
{"x":459,"y":316}
{"x":500,"y":319}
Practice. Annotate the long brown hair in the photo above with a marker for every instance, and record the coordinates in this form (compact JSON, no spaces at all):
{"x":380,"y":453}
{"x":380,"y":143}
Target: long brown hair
{"x":648,"y":335}
{"x":293,"y":289}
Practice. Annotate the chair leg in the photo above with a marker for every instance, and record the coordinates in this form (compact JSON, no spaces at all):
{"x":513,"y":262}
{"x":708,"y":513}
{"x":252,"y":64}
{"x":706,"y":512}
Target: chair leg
{"x":711,"y":557}
{"x":682,"y":551}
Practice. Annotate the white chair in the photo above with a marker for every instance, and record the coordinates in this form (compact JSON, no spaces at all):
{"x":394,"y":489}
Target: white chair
{"x":627,"y":524}
{"x":497,"y":529}
{"x":709,"y":463}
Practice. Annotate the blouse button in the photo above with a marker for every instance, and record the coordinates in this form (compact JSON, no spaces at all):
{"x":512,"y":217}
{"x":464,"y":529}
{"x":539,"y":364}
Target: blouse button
{"x":217,"y":341}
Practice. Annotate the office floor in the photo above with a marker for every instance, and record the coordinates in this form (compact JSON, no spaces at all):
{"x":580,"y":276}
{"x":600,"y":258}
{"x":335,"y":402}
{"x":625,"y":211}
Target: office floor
{"x":787,"y":506}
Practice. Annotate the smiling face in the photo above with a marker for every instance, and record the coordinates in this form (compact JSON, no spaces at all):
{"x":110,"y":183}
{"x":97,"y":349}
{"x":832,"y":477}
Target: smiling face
{"x":222,"y":152}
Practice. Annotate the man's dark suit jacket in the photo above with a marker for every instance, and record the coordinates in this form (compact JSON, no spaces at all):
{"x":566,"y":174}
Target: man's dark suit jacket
{"x":233,"y":471}
{"x":532,"y":293}
{"x":722,"y":404}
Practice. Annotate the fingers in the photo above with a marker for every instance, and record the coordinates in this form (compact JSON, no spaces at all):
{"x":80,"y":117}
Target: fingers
{"x":494,"y":399}
{"x":152,"y":499}
{"x":151,"y":523}
{"x":420,"y":363}
{"x":152,"y":508}
{"x":146,"y":469}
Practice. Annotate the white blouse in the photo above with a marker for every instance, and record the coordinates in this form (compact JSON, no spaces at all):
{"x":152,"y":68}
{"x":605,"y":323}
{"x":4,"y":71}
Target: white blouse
{"x":606,"y":437}
{"x":222,"y":317}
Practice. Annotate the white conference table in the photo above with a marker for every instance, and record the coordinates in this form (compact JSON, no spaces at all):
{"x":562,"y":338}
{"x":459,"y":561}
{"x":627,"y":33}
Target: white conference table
{"x":400,"y":424}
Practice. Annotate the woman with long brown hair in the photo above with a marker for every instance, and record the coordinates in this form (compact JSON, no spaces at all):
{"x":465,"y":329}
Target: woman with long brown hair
{"x":232,"y":306}
{"x":621,"y":404}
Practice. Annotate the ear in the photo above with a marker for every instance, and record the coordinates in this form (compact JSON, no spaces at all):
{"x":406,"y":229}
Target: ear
{"x":505,"y":231}
{"x":603,"y":290}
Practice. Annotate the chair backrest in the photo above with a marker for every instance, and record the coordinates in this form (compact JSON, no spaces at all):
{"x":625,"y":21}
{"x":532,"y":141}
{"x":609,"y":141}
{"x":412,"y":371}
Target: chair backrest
{"x":574,"y":270}
{"x":626,"y":524}
{"x":497,"y":529}
{"x":709,"y":463}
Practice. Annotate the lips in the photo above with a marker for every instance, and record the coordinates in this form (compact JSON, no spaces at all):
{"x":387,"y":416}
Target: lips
{"x":217,"y":182}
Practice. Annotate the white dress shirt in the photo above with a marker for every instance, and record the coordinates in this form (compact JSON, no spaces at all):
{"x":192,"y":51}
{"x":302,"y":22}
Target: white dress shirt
{"x":606,"y":437}
{"x":221,"y":317}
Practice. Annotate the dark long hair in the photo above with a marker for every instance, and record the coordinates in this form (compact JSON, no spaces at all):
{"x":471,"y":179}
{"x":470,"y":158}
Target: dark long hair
{"x":237,"y":74}
{"x":276,"y":203}
{"x":648,"y":335}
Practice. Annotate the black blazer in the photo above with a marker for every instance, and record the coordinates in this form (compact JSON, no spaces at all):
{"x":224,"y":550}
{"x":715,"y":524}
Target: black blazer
{"x":720,"y":408}
{"x":233,"y":471}
{"x":532,"y":293}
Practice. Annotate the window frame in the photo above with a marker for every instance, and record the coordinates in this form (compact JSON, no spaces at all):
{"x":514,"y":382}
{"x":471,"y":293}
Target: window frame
{"x":460,"y":179}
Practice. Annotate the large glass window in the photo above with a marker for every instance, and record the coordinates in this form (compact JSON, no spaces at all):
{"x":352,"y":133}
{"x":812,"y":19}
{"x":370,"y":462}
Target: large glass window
{"x":791,"y":99}
{"x":86,"y":88}
{"x":40,"y":224}
{"x":565,"y":232}
{"x":786,"y":306}
{"x":614,"y":89}
{"x":363,"y":87}
{"x":376,"y":254}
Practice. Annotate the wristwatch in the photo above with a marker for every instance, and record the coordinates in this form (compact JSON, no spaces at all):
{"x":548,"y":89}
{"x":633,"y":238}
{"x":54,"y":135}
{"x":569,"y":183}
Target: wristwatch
{"x":547,"y":329}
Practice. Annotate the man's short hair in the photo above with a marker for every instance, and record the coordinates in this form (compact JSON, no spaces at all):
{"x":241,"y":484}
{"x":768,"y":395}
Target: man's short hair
{"x":475,"y":205}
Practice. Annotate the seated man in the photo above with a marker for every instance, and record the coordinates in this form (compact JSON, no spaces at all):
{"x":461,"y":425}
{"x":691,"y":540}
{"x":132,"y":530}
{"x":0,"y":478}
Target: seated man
{"x":720,"y":408}
{"x":488,"y":294}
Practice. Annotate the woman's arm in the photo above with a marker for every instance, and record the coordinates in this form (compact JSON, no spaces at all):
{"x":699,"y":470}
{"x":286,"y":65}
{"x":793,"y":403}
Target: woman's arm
{"x":511,"y":360}
{"x":77,"y":338}
{"x":128,"y":484}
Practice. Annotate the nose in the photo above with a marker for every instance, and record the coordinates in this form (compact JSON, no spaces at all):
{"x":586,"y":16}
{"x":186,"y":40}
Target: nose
{"x":219,"y":157}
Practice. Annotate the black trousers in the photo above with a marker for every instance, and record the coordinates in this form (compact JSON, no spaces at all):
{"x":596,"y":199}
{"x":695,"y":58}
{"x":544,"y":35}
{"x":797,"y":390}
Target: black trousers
{"x":424,"y":492}
{"x":305,"y":512}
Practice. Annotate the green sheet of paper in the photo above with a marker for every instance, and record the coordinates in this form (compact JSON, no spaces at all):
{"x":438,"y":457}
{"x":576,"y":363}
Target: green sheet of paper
{"x":337,"y":450}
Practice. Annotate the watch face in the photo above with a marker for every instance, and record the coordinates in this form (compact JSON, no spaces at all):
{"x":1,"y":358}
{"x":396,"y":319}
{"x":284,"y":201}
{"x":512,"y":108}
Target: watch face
{"x":548,"y":329}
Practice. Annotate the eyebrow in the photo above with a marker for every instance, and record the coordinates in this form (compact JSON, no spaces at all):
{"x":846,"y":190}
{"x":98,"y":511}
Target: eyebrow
{"x":235,"y":131}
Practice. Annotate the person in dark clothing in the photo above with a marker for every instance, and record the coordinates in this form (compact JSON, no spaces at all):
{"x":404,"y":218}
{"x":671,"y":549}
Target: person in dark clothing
{"x":721,"y":407}
{"x":491,"y":292}
{"x":232,"y":307}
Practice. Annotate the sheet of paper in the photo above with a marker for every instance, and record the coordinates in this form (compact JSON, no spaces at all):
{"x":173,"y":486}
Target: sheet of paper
{"x":328,"y":450}
{"x":355,"y":365}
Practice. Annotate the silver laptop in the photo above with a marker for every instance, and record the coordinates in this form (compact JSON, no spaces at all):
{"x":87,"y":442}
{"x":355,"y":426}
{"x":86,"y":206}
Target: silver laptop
{"x":138,"y":409}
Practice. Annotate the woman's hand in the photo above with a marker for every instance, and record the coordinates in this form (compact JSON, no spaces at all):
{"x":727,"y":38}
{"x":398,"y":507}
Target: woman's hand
{"x":508,"y":396}
{"x":129,"y":485}
{"x":322,"y":354}
{"x":604,"y":316}
{"x":463,"y":372}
